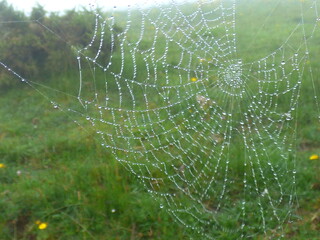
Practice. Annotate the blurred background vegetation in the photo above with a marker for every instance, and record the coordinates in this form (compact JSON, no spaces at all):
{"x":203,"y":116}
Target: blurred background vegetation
{"x":58,"y":182}
{"x":42,"y":45}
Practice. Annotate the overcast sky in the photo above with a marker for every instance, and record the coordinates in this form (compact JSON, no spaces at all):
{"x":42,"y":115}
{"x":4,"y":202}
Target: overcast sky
{"x":61,"y":5}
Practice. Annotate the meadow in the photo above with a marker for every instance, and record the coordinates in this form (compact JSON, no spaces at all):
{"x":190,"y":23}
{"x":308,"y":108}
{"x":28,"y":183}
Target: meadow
{"x":59,"y":182}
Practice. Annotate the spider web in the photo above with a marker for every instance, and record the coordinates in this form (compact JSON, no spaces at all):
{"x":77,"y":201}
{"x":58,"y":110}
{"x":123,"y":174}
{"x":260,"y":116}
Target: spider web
{"x":208,"y":128}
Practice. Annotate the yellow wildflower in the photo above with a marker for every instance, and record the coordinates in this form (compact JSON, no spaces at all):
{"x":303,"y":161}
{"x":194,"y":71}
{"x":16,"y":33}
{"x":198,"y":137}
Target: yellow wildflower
{"x":42,"y":226}
{"x":2,"y":165}
{"x":194,"y":79}
{"x":314,"y":157}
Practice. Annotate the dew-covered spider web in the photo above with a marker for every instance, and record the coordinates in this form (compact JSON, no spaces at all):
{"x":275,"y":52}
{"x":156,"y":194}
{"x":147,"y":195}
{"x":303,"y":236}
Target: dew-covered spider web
{"x":200,"y":104}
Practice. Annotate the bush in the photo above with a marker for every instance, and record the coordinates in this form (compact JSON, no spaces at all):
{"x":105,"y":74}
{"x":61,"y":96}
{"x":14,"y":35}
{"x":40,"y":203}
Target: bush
{"x":41,"y":45}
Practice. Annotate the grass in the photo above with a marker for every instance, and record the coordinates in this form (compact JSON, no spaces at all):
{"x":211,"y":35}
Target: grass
{"x":57,"y":172}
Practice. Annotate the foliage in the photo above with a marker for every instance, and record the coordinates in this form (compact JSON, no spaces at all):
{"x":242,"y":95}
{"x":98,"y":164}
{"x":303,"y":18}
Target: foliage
{"x":40,"y":46}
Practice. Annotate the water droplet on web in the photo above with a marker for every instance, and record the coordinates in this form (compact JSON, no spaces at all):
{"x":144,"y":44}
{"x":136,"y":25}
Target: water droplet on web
{"x":78,"y":57}
{"x":283,"y":62}
{"x":88,"y":118}
{"x":161,"y":206}
{"x":113,"y":210}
